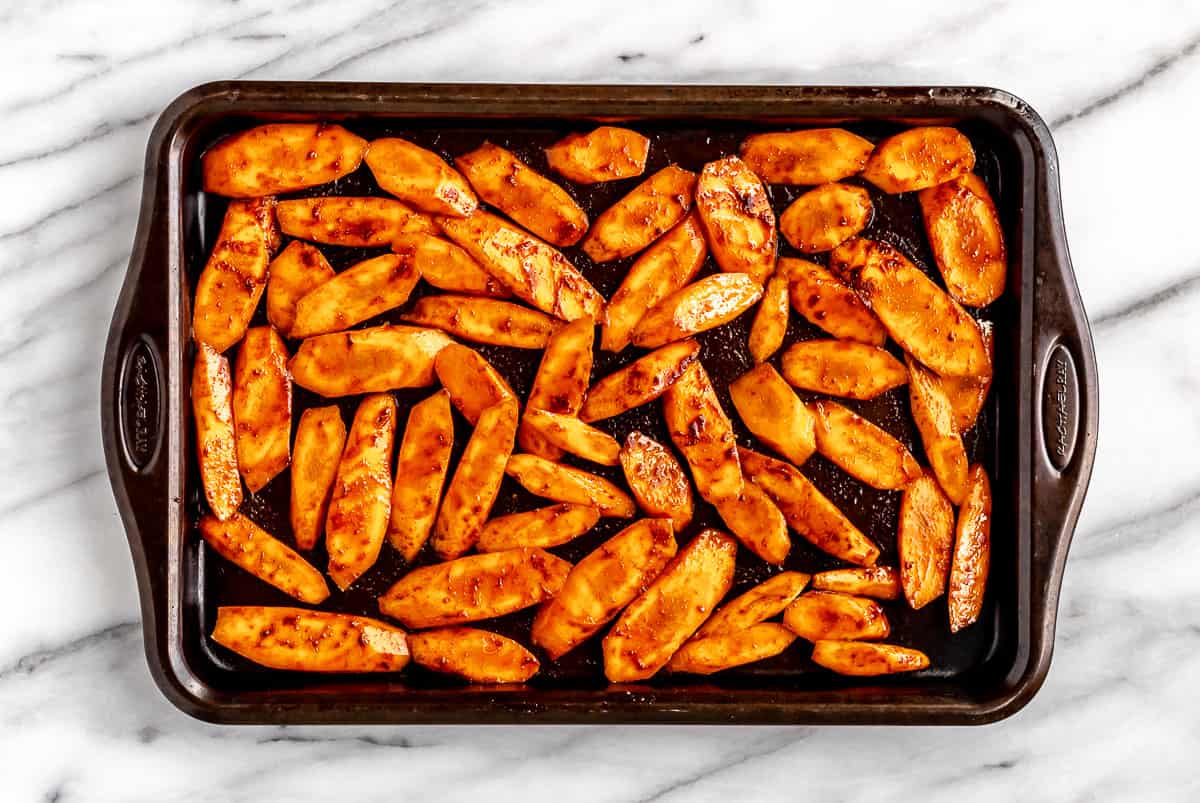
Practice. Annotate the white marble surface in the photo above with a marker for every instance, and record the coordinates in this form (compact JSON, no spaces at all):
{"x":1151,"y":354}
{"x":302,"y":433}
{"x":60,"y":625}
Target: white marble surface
{"x":80,"y":84}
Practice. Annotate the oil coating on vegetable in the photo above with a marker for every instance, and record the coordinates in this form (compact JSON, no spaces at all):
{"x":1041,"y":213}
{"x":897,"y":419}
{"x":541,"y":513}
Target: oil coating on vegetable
{"x":280,"y":157}
{"x":310,"y":641}
{"x":262,"y":407}
{"x":422,"y":463}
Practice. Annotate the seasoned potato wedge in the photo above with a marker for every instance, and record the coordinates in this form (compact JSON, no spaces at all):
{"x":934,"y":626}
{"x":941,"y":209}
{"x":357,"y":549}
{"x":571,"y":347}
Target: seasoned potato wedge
{"x":572,"y":435}
{"x":657,"y":480}
{"x":561,"y":381}
{"x":814,"y":156}
{"x":918,"y":314}
{"x":879,"y":582}
{"x":666,"y":266}
{"x":757,"y":605}
{"x":484,"y":320}
{"x":919,"y":158}
{"x":280,"y":157}
{"x":925,"y":541}
{"x":817,"y":615}
{"x":244,"y":543}
{"x":526,"y":196}
{"x":605,"y":154}
{"x":807,"y":510}
{"x":603,"y":583}
{"x":262,"y":406}
{"x":828,"y":303}
{"x":475,"y":587}
{"x":362,"y":492}
{"x":771,"y":410}
{"x":362,"y":222}
{"x":368,"y":360}
{"x":658,"y":622}
{"x":420,"y":177}
{"x":757,"y":523}
{"x":299,"y":269}
{"x":966,"y":238}
{"x":320,"y":438}
{"x":446,"y":266}
{"x":473,"y":384}
{"x":698,"y":307}
{"x":967,"y":394}
{"x":861,"y":449}
{"x":477,"y":655}
{"x":362,"y":291}
{"x":534,"y":271}
{"x":476,"y":481}
{"x":550,"y":480}
{"x":641,"y":217}
{"x":642,"y":381}
{"x":422,"y":463}
{"x":310,"y":641}
{"x":737,"y":218}
{"x":972,"y":552}
{"x":704,"y":656}
{"x":825,"y":217}
{"x":934,"y":416}
{"x":864,"y":659}
{"x":216,"y":443}
{"x":842,"y":368}
{"x":235,"y":275}
{"x":703,"y":433}
{"x":543,"y":527}
{"x":771,"y":320}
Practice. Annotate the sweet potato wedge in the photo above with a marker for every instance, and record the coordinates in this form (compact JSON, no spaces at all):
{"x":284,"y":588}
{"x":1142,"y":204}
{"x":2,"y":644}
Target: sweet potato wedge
{"x":864,"y":659}
{"x":550,"y":480}
{"x":358,"y":222}
{"x":825,"y":217}
{"x":235,"y":275}
{"x":737,"y":217}
{"x":966,"y":238}
{"x":476,"y":655}
{"x":642,"y":381}
{"x":526,"y":196}
{"x":216,"y":442}
{"x":310,"y":641}
{"x":603,"y":583}
{"x":861,"y":449}
{"x":665,"y":615}
{"x":446,"y":266}
{"x":361,"y":503}
{"x":972,"y":552}
{"x":711,"y":302}
{"x":925,"y":541}
{"x":771,"y":410}
{"x":476,"y":481}
{"x":473,"y":384}
{"x":807,"y":510}
{"x":666,"y":266}
{"x":642,"y":216}
{"x":814,"y":156}
{"x":571,"y":435}
{"x":828,"y":303}
{"x":842,"y":368}
{"x":817,"y":615}
{"x":294,"y":273}
{"x":419,"y":177}
{"x":543,"y":527}
{"x":704,"y":656}
{"x":657,"y":480}
{"x":703,"y":433}
{"x":934,"y":417}
{"x":475,"y":587}
{"x":967,"y":394}
{"x":878,"y":582}
{"x":606,"y":154}
{"x":280,"y":157}
{"x":320,"y":438}
{"x":770,"y":321}
{"x":755,"y":606}
{"x":422,"y":463}
{"x":484,"y":320}
{"x":918,"y":158}
{"x":757,"y":523}
{"x":242,"y":542}
{"x":561,"y":381}
{"x":367,"y":360}
{"x":362,"y":291}
{"x":262,"y":407}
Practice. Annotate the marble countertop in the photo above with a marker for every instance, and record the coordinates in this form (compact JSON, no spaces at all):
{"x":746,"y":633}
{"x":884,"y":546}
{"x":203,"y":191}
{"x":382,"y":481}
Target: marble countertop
{"x":1119,"y":716}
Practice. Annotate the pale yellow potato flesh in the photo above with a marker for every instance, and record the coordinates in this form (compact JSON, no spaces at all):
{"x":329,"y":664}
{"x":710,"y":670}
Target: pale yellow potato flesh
{"x":866,"y":659}
{"x":770,"y":321}
{"x":603,"y":583}
{"x":842,"y":368}
{"x":642,"y":216}
{"x":827,"y":302}
{"x":358,"y":222}
{"x":550,"y":480}
{"x":262,"y":407}
{"x":642,"y":381}
{"x":772,"y":411}
{"x":918,"y":158}
{"x":825,"y":217}
{"x":484,"y":320}
{"x":972,"y":552}
{"x":361,"y":503}
{"x":878,"y":582}
{"x":245,"y":544}
{"x":812,"y":156}
{"x":575,"y":437}
{"x":755,"y":606}
{"x":280,"y":157}
{"x":362,"y":291}
{"x":967,"y":239}
{"x":738,"y":219}
{"x":474,"y":588}
{"x":543,"y":527}
{"x":704,"y":656}
{"x":216,"y":441}
{"x":702,"y":431}
{"x":968,"y":394}
{"x":817,"y":615}
{"x":861,"y":449}
{"x":310,"y":641}
{"x":446,"y":266}
{"x":422,"y":463}
{"x":934,"y":417}
{"x":757,"y":523}
{"x":368,"y":360}
{"x":473,"y":384}
{"x":925,"y":541}
{"x":476,"y":655}
{"x":320,"y":438}
{"x":294,"y":273}
{"x":561,"y":381}
{"x":658,"y":482}
{"x":711,"y":302}
{"x":607,"y":153}
{"x":420,"y":177}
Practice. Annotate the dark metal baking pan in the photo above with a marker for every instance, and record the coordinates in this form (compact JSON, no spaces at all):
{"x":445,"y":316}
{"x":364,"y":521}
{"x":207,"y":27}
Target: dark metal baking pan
{"x":1037,"y":435}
